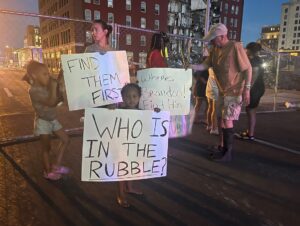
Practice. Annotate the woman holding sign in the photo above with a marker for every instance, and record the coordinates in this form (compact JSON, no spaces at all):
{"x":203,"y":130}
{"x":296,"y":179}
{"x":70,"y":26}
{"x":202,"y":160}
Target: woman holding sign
{"x":101,"y":32}
{"x":180,"y":125}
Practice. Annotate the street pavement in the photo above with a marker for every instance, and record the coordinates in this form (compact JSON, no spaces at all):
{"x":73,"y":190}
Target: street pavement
{"x":259,"y":187}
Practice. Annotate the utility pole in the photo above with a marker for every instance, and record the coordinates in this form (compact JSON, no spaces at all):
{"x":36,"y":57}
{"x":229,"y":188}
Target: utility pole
{"x":207,"y":15}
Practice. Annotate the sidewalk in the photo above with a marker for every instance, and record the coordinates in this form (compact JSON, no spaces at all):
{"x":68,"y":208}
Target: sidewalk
{"x":267,"y":101}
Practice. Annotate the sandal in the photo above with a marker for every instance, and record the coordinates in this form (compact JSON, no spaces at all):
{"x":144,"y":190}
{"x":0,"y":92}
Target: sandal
{"x":61,"y":169}
{"x":245,"y":136}
{"x":52,"y":176}
{"x":123,"y":202}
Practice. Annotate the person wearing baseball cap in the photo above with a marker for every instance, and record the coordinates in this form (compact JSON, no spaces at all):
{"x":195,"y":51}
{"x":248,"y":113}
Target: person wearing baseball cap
{"x":233,"y":73}
{"x":215,"y":31}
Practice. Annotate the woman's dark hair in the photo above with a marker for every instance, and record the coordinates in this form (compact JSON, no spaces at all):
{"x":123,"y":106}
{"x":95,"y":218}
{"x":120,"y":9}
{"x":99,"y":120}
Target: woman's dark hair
{"x":158,"y":41}
{"x":105,"y":26}
{"x":253,"y":47}
{"x":32,"y":66}
{"x":131,"y":86}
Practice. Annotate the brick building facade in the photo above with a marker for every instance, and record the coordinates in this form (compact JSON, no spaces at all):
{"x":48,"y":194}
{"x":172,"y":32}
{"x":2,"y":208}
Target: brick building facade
{"x":63,"y":36}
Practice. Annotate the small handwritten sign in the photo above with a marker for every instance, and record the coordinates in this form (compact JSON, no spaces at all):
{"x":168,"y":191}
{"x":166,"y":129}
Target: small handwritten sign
{"x":166,"y":88}
{"x":93,"y":79}
{"x":124,"y":144}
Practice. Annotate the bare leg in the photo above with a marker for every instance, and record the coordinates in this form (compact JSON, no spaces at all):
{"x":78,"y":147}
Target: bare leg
{"x":197,"y":109}
{"x":251,"y":120}
{"x":209,"y":113}
{"x":220,"y":127}
{"x":46,"y":146}
{"x":121,"y":198}
{"x":131,"y":189}
{"x":64,"y":141}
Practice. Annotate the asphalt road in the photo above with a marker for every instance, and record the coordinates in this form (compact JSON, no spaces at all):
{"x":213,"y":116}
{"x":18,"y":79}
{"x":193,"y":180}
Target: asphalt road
{"x":259,"y":187}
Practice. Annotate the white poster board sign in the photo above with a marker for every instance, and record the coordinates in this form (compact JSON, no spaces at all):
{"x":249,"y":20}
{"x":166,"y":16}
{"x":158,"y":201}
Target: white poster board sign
{"x":166,"y":88}
{"x":124,"y":144}
{"x":93,"y":79}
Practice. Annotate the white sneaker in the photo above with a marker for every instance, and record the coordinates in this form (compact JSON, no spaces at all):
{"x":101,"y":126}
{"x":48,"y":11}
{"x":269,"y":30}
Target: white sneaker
{"x":214,"y":131}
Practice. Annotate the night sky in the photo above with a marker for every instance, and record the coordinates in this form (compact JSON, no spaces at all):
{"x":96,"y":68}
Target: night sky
{"x":257,"y":13}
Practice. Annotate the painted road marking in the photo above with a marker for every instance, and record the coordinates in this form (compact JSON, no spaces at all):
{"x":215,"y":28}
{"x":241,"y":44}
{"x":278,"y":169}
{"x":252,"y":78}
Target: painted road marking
{"x":277,"y":146}
{"x":270,"y":144}
{"x":8,"y":93}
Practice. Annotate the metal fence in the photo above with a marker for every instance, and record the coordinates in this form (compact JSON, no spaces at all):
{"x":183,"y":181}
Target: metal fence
{"x":66,"y":35}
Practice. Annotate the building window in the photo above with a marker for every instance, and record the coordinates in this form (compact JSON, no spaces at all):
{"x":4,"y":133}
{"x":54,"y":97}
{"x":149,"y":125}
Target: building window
{"x":96,"y":2}
{"x":230,"y":35}
{"x":296,"y":21}
{"x":232,"y":9}
{"x":234,"y":35}
{"x":96,"y":15}
{"x":87,"y":1}
{"x":128,"y":39}
{"x":235,"y":22}
{"x":295,"y":28}
{"x":294,"y":41}
{"x":143,"y":7}
{"x":226,"y":8}
{"x":128,"y":21}
{"x":297,"y":8}
{"x":286,"y":10}
{"x":282,"y":43}
{"x":284,"y":29}
{"x":143,"y":40}
{"x":129,"y":56}
{"x":110,"y":3}
{"x":231,"y":22}
{"x":156,"y":25}
{"x":88,"y":14}
{"x":128,"y":4}
{"x":236,"y":10}
{"x":298,"y":35}
{"x":283,"y":36}
{"x":157,"y":9}
{"x":284,"y":23}
{"x":110,"y":18}
{"x":285,"y":17}
{"x":88,"y":37}
{"x":142,"y":59}
{"x":225,"y":20}
{"x":295,"y":35}
{"x":143,"y":22}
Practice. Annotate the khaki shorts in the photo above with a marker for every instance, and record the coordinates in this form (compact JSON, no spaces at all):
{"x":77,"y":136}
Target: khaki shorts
{"x":229,"y":107}
{"x":42,"y":127}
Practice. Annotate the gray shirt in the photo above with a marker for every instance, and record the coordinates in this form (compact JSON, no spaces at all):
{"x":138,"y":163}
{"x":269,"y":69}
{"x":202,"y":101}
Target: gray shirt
{"x":96,"y":48}
{"x":39,"y":94}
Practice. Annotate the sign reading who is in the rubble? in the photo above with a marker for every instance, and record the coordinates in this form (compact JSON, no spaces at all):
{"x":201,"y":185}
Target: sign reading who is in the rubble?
{"x":124,"y":144}
{"x":93,"y":79}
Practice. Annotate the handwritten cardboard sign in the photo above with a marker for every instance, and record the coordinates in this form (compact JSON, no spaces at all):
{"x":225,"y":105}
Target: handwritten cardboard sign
{"x":93,"y":79}
{"x":124,"y":144}
{"x":166,"y":88}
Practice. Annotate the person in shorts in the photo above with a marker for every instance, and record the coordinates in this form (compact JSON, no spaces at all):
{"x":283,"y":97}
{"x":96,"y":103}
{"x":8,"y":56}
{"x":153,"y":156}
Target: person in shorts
{"x":257,"y":88}
{"x":43,"y":95}
{"x":233,"y":73}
